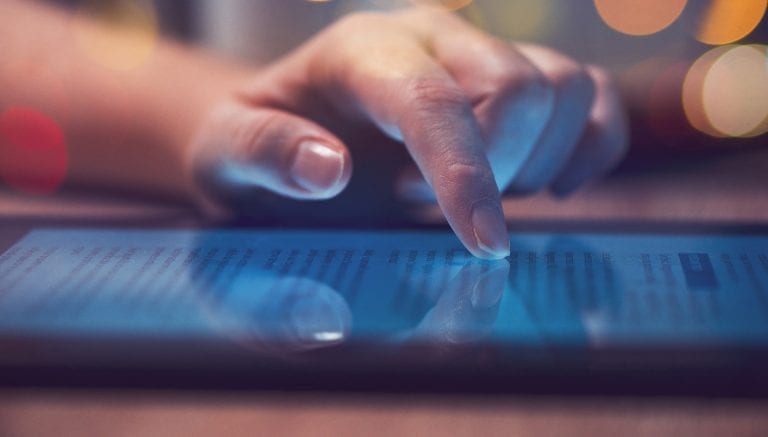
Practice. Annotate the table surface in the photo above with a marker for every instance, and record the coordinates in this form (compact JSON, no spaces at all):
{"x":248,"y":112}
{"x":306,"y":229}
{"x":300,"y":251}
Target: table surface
{"x":728,"y":188}
{"x":109,"y":414}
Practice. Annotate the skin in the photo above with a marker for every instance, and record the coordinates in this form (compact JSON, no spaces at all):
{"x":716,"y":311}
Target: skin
{"x":478,"y":117}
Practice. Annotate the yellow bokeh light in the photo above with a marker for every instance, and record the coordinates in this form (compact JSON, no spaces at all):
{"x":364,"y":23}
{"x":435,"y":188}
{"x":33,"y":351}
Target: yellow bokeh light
{"x":693,"y":103}
{"x":735,"y":92}
{"x":639,"y":17}
{"x":448,"y":5}
{"x":118,"y":34}
{"x":517,"y":19}
{"x":726,"y":21}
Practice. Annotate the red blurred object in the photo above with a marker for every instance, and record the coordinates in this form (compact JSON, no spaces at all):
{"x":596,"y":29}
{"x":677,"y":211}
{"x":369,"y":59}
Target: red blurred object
{"x":33,"y":151}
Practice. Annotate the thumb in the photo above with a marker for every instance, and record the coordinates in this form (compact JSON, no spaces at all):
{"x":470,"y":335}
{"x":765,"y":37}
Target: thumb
{"x":243,"y":149}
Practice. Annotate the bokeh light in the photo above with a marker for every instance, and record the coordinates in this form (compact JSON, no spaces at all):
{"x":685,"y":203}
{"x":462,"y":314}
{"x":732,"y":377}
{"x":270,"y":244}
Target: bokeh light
{"x":449,"y":5}
{"x":726,"y":91}
{"x":639,"y":17}
{"x":726,"y":21}
{"x":517,"y":19}
{"x":693,"y":102}
{"x":118,"y":34}
{"x":735,"y":92}
{"x":33,"y":151}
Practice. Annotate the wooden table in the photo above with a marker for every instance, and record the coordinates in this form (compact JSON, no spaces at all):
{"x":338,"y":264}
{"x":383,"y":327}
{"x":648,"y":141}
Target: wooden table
{"x":109,"y":414}
{"x":730,"y":188}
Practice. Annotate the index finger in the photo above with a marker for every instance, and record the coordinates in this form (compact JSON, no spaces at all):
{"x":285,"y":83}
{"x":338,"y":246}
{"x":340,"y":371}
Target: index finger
{"x":411,"y":97}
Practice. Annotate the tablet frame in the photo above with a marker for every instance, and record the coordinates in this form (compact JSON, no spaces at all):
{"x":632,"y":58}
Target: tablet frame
{"x":188,"y":365}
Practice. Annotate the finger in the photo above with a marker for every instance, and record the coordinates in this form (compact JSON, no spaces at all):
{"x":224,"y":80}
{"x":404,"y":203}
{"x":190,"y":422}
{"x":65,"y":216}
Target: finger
{"x":242,"y":150}
{"x":574,"y":93}
{"x":604,"y":143}
{"x":410,"y":96}
{"x":513,"y":101}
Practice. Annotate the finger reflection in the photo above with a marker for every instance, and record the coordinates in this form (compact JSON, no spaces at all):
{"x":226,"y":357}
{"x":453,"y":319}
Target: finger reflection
{"x":265,"y":310}
{"x":319,"y":316}
{"x":281,"y":315}
{"x":468,"y":308}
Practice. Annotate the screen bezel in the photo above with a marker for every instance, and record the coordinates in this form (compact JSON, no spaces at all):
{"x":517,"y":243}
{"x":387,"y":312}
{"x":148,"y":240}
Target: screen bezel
{"x":714,"y":371}
{"x":13,"y":229}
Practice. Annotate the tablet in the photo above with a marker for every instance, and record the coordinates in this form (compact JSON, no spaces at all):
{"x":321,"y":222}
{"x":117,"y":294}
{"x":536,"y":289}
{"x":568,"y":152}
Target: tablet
{"x":603,"y":309}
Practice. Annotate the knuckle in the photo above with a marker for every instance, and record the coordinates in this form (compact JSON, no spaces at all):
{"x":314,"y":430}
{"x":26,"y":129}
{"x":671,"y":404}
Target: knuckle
{"x":566,"y":73}
{"x":510,"y":65}
{"x":462,"y":174}
{"x":524,"y":80}
{"x":435,"y":94}
{"x":510,"y":74}
{"x":250,"y":134}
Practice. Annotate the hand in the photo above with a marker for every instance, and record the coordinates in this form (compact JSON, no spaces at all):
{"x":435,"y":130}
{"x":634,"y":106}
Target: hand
{"x":475,"y":114}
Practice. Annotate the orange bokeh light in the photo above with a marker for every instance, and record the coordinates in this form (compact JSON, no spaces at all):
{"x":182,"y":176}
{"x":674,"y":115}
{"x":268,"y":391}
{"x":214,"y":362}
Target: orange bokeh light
{"x":639,"y":17}
{"x":726,"y":21}
{"x":33,"y":151}
{"x":121,"y":35}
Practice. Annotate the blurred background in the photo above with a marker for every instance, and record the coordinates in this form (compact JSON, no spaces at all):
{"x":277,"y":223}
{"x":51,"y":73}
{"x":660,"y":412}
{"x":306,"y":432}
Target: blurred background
{"x":694,"y":73}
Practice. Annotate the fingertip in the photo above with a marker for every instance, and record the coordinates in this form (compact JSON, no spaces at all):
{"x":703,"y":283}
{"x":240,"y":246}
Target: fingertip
{"x":490,"y":232}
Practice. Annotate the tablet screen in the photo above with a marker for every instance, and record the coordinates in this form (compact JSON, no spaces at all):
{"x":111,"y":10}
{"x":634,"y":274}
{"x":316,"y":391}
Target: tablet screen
{"x":308,"y":289}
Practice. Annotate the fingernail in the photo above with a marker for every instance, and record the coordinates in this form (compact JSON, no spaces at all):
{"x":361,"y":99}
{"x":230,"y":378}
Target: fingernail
{"x":317,"y":167}
{"x":490,"y":231}
{"x":317,"y":321}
